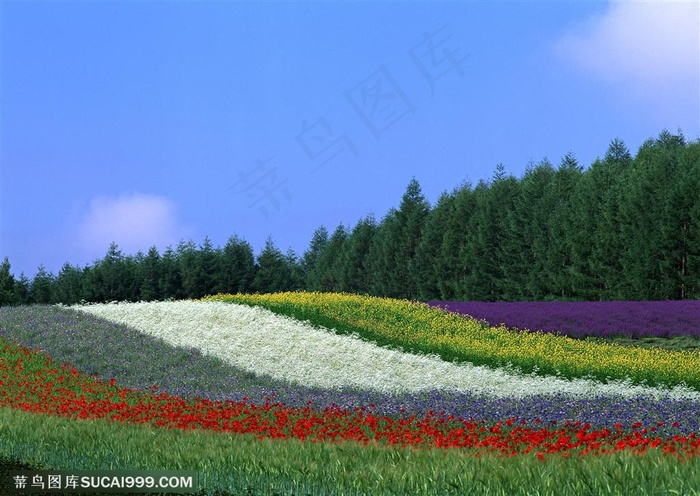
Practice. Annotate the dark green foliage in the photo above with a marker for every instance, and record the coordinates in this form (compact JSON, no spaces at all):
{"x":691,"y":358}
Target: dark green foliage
{"x":199,"y":271}
{"x":8,"y":295}
{"x":453,"y":267}
{"x":393,"y":250}
{"x":411,"y":217}
{"x":560,"y":260}
{"x":41,"y":289}
{"x":656,"y":235}
{"x":22,"y":290}
{"x":326,"y":273}
{"x":111,"y":276}
{"x":354,"y":263}
{"x":293,"y":268}
{"x":528,"y":240}
{"x":237,"y":267}
{"x":380,"y":256}
{"x":626,"y":228}
{"x":150,"y":270}
{"x":691,"y":286}
{"x":208,"y":266}
{"x":312,"y":272}
{"x":170,"y":282}
{"x":430,"y":267}
{"x":274,"y":270}
{"x":490,"y":245}
{"x":680,"y":230}
{"x":596,"y":227}
{"x":68,"y":287}
{"x":190,"y":273}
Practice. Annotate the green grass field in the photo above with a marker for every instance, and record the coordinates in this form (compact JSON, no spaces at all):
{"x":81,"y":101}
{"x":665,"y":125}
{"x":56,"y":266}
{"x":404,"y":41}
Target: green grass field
{"x":242,"y":464}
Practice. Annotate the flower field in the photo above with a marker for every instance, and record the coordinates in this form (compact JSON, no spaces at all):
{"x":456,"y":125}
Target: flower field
{"x":633,"y":319}
{"x":419,"y":329}
{"x":344,"y":394}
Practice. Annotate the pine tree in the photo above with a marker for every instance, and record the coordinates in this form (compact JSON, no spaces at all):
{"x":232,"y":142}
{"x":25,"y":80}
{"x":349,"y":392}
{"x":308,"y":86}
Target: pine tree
{"x":651,"y":229}
{"x":428,"y":268}
{"x":450,"y":265}
{"x":42,"y":288}
{"x":393,"y":248}
{"x":7,"y":285}
{"x":92,"y":285}
{"x":295,"y":271}
{"x":527,"y":241}
{"x":328,"y":265}
{"x":595,"y":224}
{"x":69,"y":285}
{"x":581,"y":226}
{"x":610,"y":243}
{"x":273,"y":271}
{"x":112,"y":275}
{"x":381,"y":256}
{"x":133,"y":276}
{"x":170,"y":282}
{"x":679,"y":240}
{"x":150,"y":269}
{"x":412,"y":215}
{"x":209,"y":268}
{"x":559,"y":257}
{"x":472,"y":254}
{"x":238,"y":266}
{"x":691,"y":289}
{"x":499,"y":174}
{"x":23,"y":286}
{"x":355,"y":270}
{"x":312,"y":273}
{"x":189,"y":269}
{"x":485,"y":254}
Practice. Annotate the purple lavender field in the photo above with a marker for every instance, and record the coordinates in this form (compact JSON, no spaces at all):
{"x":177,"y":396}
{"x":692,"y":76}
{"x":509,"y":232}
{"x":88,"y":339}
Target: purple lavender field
{"x":602,"y":319}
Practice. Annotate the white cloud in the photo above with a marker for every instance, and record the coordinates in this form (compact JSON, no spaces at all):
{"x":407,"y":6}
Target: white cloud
{"x":135,"y":221}
{"x":649,"y":50}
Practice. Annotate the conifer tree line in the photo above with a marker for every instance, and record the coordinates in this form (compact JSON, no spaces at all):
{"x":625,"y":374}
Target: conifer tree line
{"x":626,"y":228}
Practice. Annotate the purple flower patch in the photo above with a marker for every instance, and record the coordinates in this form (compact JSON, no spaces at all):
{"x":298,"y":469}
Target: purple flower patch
{"x":603,"y":319}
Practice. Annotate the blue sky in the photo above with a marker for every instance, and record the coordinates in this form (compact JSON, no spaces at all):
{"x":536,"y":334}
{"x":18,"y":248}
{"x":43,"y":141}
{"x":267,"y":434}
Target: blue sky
{"x":145,"y":123}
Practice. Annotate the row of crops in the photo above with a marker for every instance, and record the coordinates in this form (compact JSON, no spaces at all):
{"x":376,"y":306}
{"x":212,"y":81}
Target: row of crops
{"x":337,"y":393}
{"x":418,"y":328}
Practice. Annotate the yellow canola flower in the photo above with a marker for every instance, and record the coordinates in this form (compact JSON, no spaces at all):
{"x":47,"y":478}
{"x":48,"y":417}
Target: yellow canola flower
{"x":406,"y":323}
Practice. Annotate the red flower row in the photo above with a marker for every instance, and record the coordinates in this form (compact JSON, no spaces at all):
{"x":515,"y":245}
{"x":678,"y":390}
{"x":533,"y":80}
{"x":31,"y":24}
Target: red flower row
{"x":32,"y":382}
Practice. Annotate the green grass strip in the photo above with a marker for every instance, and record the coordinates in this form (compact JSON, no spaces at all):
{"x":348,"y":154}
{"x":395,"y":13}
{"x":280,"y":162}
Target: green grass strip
{"x":417,"y":328}
{"x":242,"y":464}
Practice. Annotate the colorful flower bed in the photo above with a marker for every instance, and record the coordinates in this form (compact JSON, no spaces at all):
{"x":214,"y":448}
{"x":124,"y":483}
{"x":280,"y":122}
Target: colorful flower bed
{"x":417,"y":328}
{"x":379,"y":393}
{"x":263,"y":342}
{"x":31,"y":381}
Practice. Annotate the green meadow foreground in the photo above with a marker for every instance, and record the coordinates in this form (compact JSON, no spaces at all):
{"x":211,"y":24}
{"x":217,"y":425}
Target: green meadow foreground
{"x":309,"y":393}
{"x":243,"y":464}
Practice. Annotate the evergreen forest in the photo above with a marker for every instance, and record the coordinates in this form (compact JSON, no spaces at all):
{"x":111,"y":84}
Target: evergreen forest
{"x":624,"y":228}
